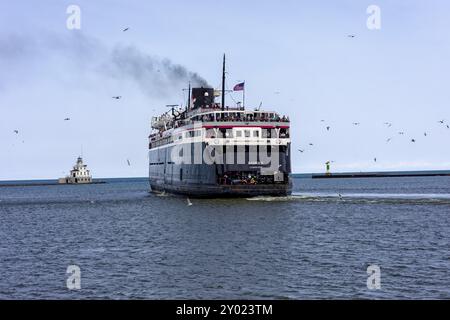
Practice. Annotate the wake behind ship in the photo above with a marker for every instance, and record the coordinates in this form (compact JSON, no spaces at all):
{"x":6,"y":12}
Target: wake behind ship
{"x":210,"y":149}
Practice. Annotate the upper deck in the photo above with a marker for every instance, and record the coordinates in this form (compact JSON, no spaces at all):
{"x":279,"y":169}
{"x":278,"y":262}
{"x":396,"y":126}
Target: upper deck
{"x":215,"y":118}
{"x":203,"y":112}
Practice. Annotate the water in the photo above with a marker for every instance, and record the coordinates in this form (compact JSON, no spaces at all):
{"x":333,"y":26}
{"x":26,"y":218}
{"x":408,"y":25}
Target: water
{"x":311,"y":245}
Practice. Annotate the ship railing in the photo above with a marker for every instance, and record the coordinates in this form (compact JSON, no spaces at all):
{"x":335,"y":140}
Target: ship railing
{"x":249,"y":121}
{"x":234,"y":141}
{"x":245,"y":117}
{"x":211,"y":120}
{"x":252,"y":119}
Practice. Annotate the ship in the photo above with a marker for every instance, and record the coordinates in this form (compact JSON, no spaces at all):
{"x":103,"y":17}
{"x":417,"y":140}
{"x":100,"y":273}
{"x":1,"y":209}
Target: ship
{"x":80,"y":174}
{"x":209,"y":149}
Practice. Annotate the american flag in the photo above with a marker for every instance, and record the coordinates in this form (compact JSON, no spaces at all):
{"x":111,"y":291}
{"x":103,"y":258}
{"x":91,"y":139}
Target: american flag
{"x":239,"y":87}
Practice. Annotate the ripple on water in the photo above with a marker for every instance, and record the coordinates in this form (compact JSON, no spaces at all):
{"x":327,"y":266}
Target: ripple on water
{"x":313,"y":244}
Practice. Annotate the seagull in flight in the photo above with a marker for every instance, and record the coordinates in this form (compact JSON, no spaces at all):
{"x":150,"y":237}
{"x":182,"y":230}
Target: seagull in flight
{"x":425,"y":134}
{"x":356,"y":123}
{"x":189,"y":203}
{"x":328,"y":128}
{"x":117,"y":97}
{"x":66,"y":119}
{"x":389,"y":140}
{"x":16,"y":131}
{"x":126,"y":29}
{"x":401,"y":133}
{"x":388,"y":124}
{"x":413,"y":140}
{"x":311,"y":144}
{"x":301,"y":150}
{"x":129,"y":163}
{"x":441,"y":121}
{"x":375,"y":159}
{"x":351,"y":36}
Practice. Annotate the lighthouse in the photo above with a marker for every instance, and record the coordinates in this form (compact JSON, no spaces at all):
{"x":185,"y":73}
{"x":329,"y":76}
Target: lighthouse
{"x":80,"y":174}
{"x":327,"y":164}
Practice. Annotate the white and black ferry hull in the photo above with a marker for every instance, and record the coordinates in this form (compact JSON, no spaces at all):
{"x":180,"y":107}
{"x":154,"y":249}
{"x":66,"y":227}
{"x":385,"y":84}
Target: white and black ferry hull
{"x":223,"y":191}
{"x":201,"y":180}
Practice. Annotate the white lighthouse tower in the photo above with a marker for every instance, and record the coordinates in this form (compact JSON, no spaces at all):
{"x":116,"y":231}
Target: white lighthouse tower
{"x":79,"y":174}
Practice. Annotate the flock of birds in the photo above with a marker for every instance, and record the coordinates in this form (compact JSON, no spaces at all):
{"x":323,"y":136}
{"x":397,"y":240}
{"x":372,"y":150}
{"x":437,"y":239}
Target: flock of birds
{"x":328,"y":128}
{"x":16,"y":131}
{"x":388,"y":125}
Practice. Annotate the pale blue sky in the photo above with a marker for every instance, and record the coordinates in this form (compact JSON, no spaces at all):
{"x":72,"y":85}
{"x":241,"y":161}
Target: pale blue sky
{"x":399,"y":74}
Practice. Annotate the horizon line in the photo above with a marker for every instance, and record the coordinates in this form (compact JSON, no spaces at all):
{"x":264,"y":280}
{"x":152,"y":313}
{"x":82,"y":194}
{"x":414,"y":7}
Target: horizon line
{"x":293,"y":174}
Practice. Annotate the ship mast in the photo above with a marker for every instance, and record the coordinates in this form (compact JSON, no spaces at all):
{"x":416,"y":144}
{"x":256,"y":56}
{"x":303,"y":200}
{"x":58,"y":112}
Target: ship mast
{"x":223,"y":85}
{"x":189,"y":97}
{"x":188,"y":104}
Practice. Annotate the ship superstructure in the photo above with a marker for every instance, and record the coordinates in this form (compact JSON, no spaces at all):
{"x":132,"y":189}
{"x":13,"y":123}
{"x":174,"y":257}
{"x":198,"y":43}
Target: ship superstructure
{"x":210,"y":149}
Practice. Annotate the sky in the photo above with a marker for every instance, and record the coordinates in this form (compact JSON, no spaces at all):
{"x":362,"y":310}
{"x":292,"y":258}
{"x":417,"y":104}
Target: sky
{"x":296,"y":57}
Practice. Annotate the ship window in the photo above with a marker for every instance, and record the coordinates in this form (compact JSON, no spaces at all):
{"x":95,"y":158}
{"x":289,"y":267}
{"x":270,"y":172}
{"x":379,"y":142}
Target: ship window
{"x":247,"y":133}
{"x":266,"y":133}
{"x":210,"y":133}
{"x":238,"y":133}
{"x":284,"y":133}
{"x":256,"y":134}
